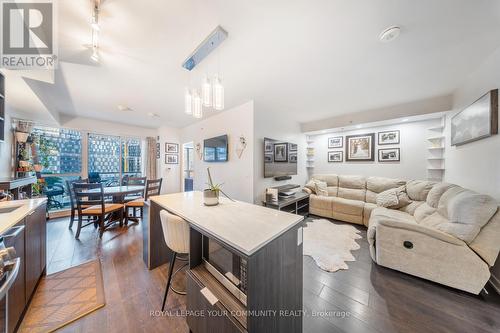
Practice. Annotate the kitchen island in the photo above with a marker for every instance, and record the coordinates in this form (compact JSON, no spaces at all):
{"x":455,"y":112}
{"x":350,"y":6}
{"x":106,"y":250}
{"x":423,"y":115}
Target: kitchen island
{"x":267,"y":241}
{"x":23,"y":226}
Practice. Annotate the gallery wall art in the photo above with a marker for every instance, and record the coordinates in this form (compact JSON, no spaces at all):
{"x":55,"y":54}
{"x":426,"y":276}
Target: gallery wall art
{"x":335,"y":156}
{"x":477,"y":121}
{"x":360,"y":147}
{"x":389,"y":155}
{"x":388,"y":138}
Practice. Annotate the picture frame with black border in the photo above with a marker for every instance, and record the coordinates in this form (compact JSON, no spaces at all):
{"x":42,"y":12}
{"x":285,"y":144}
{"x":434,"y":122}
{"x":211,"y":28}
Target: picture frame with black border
{"x":281,"y":152}
{"x":268,"y":158}
{"x":335,"y":156}
{"x":388,"y":138}
{"x":335,"y":142}
{"x":171,"y":148}
{"x":365,"y":143}
{"x":292,"y":146}
{"x":171,"y":158}
{"x":292,"y":157}
{"x":389,"y":155}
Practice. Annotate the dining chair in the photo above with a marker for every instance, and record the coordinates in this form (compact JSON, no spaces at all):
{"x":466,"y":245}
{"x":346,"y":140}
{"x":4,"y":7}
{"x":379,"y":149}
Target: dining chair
{"x":90,"y":203}
{"x":134,"y":181}
{"x":153,"y":187}
{"x":176,"y":235}
{"x":72,"y":199}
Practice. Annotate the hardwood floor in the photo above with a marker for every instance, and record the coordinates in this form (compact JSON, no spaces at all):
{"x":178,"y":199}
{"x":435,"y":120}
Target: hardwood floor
{"x":364,"y":298}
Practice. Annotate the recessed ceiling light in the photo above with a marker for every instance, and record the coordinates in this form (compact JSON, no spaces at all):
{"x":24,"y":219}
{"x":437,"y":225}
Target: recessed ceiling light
{"x":153,"y":115}
{"x":359,"y":126}
{"x":390,"y":34}
{"x":404,"y":120}
{"x":124,"y":108}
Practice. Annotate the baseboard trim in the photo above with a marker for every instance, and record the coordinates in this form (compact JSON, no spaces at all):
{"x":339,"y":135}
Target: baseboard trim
{"x":495,"y":283}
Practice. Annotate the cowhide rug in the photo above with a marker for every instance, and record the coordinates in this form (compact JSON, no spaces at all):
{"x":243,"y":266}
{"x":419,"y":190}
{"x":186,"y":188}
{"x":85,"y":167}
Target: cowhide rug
{"x":330,"y":244}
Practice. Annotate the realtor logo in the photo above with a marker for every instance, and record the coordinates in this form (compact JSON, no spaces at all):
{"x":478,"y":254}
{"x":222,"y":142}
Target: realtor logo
{"x":28,"y":38}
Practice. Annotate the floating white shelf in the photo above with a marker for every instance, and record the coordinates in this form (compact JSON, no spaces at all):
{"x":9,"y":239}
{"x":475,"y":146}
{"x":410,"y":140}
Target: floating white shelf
{"x":435,"y":148}
{"x":436,"y":138}
{"x":436,"y":128}
{"x":435,"y":158}
{"x":435,"y":169}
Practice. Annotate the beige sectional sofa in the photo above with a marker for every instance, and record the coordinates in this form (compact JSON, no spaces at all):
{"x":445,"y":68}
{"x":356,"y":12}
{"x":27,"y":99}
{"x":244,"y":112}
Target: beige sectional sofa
{"x":446,"y":234}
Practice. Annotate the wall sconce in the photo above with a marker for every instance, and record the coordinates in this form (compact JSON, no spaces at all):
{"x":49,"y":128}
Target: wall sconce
{"x":197,"y":147}
{"x":242,"y":146}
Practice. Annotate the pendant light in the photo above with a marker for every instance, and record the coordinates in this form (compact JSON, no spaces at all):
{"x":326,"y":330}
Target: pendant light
{"x":188,"y":102}
{"x":218,"y":97}
{"x":197,"y":107}
{"x":206,"y":92}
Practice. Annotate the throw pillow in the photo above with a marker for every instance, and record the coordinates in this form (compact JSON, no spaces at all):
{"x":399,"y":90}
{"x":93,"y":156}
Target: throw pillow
{"x":387,"y":198}
{"x":311,"y":185}
{"x":321,"y":188}
{"x":403,"y":198}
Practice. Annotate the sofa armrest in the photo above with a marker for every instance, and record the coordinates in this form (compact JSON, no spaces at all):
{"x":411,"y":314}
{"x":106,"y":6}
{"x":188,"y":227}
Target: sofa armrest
{"x":423,"y":230}
{"x":307,"y":190}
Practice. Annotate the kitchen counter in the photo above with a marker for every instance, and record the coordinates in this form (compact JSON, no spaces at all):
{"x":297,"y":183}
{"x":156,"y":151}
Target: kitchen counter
{"x":245,"y":227}
{"x":24,"y":207}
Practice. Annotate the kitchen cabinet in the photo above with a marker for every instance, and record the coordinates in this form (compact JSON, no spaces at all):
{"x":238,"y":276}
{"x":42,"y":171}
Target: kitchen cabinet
{"x":16,"y":301}
{"x":35,"y":249}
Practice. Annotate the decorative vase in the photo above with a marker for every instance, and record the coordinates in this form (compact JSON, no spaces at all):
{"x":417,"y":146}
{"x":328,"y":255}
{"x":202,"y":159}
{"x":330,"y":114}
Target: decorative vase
{"x":210,"y":198}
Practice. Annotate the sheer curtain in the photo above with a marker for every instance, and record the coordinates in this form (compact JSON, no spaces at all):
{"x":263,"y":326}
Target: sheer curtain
{"x":151,"y":172}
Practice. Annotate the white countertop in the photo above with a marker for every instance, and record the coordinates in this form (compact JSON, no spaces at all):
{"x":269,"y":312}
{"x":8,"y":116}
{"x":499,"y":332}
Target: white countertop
{"x":8,"y":220}
{"x":244,"y":226}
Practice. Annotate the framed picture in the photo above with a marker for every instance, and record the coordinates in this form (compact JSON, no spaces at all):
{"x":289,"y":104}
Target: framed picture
{"x":360,"y":147}
{"x":292,"y":157}
{"x":268,"y":158}
{"x":388,"y":138}
{"x":336,"y":142}
{"x":388,"y":155}
{"x":171,"y":159}
{"x":268,"y":147}
{"x":478,"y":121}
{"x":281,"y":152}
{"x":292,"y":147}
{"x":158,"y":151}
{"x":335,"y":156}
{"x":171,"y":148}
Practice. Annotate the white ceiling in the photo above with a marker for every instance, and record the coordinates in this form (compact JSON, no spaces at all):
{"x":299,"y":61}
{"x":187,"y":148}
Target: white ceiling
{"x":304,"y":59}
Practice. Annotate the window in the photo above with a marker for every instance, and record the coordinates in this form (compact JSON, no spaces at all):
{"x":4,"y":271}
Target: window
{"x":58,"y":150}
{"x":131,"y":157}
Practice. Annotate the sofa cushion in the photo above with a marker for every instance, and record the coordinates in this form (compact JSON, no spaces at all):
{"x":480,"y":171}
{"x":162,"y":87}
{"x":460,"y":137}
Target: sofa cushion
{"x":381,"y":213}
{"x":329,"y":179}
{"x":375,"y":185}
{"x":311,"y":186}
{"x":422,"y":211}
{"x":332,"y":191}
{"x":445,"y":199}
{"x":320,"y":187}
{"x":436,"y":192}
{"x":352,"y":194}
{"x":418,"y":189}
{"x":471,"y":208}
{"x":347,"y":206}
{"x":486,"y":244}
{"x":355,"y":182}
{"x":412,"y":207}
{"x":320,"y":202}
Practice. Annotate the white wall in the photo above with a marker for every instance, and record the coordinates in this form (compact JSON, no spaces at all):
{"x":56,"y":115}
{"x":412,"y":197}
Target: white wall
{"x":413,"y":153}
{"x":171,"y":173}
{"x":476,"y":165}
{"x":107,"y":127}
{"x":269,"y":125}
{"x":237,"y":173}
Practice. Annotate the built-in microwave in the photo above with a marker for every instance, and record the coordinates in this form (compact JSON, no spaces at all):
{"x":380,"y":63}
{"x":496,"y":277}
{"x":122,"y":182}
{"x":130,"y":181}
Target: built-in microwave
{"x":227,"y":267}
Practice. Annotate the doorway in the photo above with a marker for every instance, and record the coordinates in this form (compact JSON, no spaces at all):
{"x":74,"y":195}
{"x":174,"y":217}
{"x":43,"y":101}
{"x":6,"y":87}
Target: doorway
{"x":187,"y":166}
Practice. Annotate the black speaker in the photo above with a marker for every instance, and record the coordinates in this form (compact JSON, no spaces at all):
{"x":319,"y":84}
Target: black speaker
{"x":283,"y":178}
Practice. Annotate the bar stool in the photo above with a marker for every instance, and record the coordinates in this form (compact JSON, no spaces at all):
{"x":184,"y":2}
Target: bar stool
{"x":176,"y":234}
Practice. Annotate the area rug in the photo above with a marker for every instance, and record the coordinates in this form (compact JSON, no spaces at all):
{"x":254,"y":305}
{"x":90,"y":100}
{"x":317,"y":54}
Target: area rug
{"x":330,"y":244}
{"x":64,"y":297}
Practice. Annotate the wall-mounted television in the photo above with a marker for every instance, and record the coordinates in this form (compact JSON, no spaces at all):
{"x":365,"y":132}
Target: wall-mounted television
{"x":280,"y":158}
{"x":215,"y":149}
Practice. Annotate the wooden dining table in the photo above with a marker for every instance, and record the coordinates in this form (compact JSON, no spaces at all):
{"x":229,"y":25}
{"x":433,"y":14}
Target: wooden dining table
{"x":120,"y":192}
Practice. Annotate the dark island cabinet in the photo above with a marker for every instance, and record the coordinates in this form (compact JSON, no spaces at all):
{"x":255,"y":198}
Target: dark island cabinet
{"x":28,"y":237}
{"x":35,"y":249}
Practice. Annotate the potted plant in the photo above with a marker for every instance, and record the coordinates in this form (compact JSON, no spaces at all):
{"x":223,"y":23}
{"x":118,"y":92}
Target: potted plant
{"x":211,"y":194}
